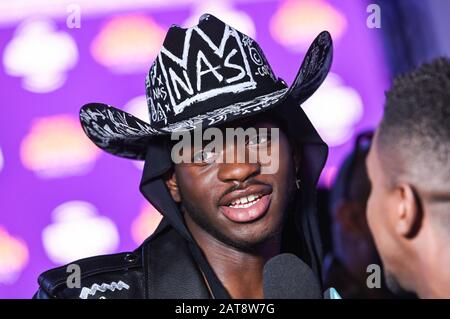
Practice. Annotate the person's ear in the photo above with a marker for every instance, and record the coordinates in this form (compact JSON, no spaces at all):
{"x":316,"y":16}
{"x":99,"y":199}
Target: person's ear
{"x":408,"y":211}
{"x":172,"y":185}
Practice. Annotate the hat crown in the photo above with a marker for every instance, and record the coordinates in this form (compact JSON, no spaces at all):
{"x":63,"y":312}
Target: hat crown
{"x":203,"y":68}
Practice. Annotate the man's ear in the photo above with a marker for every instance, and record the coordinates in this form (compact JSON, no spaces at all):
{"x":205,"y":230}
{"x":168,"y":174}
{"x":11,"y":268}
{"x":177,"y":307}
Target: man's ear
{"x":172,"y":185}
{"x":408,"y":211}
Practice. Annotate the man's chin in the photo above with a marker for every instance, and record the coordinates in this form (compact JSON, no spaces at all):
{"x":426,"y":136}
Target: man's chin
{"x":250,"y":242}
{"x":247,"y":237}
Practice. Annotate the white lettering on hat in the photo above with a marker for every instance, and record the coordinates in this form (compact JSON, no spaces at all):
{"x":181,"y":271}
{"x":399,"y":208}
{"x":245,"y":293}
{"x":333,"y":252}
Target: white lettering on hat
{"x":234,"y":84}
{"x":201,"y":57}
{"x":234,"y":66}
{"x":176,"y":79}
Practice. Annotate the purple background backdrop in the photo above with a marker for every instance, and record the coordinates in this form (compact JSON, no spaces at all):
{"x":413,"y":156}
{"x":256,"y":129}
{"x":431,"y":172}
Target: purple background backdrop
{"x":111,"y":185}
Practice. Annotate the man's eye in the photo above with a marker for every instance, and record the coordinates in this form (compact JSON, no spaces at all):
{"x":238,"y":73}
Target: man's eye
{"x":260,"y":139}
{"x":203,"y":156}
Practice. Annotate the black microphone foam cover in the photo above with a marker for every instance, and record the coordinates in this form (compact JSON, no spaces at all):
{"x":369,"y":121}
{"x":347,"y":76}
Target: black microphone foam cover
{"x":285,"y":276}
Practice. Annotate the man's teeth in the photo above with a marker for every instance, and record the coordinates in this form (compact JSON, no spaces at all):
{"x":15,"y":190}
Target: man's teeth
{"x":245,"y":201}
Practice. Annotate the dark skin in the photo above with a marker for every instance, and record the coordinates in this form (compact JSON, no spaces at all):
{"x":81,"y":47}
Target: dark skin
{"x":411,"y":238}
{"x":237,"y":251}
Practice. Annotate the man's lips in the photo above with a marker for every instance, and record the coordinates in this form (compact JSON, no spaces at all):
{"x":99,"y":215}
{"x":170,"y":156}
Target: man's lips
{"x":247,"y":204}
{"x":250,"y":211}
{"x":238,"y":194}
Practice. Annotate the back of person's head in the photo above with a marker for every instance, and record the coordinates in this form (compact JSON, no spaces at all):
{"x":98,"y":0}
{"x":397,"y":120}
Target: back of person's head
{"x":414,"y":134}
{"x":348,"y":199}
{"x":352,"y":183}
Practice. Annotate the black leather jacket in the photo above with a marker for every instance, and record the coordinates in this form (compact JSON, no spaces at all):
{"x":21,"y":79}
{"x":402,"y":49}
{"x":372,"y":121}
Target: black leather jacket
{"x":162,"y":267}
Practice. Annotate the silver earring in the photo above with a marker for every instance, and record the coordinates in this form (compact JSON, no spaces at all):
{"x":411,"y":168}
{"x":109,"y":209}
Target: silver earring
{"x":297,"y":182}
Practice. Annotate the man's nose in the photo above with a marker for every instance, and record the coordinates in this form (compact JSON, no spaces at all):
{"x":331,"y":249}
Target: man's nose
{"x":238,"y":171}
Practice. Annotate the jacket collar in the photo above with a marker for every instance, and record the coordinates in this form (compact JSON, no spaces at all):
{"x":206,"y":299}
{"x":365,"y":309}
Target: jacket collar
{"x":170,"y":271}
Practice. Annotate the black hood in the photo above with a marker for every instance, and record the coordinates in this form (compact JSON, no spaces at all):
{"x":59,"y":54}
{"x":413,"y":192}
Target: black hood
{"x":301,"y":235}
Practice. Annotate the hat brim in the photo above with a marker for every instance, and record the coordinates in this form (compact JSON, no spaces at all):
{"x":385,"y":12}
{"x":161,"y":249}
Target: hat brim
{"x":125,"y":135}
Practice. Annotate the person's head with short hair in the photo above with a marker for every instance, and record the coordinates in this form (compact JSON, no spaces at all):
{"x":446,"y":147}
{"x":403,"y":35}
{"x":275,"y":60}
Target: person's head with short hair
{"x":409,"y":169}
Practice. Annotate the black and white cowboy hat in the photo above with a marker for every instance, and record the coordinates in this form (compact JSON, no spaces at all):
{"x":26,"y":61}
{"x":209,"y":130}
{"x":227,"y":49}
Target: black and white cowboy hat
{"x":204,"y":76}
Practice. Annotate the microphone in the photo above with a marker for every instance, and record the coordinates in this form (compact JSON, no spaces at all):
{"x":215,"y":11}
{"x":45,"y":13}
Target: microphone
{"x":285,"y":276}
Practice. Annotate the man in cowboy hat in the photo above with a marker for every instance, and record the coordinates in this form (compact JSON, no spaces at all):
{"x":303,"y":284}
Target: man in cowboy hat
{"x":222,"y":220}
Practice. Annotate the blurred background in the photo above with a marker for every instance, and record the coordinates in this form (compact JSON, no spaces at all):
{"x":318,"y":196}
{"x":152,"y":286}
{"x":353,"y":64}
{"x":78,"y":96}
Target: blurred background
{"x":63,"y":199}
